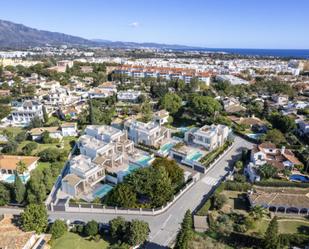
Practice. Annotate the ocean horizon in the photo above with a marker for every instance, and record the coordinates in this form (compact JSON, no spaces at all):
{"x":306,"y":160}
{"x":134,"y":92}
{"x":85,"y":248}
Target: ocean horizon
{"x":283,"y":53}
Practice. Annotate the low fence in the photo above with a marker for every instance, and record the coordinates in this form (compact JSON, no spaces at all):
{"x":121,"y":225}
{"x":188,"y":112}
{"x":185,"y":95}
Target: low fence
{"x":99,"y":208}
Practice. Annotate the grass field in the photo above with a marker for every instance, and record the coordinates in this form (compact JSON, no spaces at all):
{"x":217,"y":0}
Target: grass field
{"x":74,"y":241}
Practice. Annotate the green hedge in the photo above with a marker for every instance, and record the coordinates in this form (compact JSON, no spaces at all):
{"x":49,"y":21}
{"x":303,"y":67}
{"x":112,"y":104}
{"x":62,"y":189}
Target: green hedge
{"x":237,"y":186}
{"x":278,"y":183}
{"x":209,"y":158}
{"x":294,"y":240}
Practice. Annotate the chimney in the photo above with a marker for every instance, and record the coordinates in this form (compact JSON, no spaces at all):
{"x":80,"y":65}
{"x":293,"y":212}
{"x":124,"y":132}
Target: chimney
{"x":282,"y":149}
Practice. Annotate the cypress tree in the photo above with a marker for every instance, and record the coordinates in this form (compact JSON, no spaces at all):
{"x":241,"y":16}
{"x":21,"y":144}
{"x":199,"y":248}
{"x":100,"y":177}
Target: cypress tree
{"x":19,"y":189}
{"x":271,"y":236}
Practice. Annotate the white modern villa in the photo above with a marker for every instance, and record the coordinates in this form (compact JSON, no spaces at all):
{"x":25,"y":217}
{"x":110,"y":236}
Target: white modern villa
{"x":151,"y":133}
{"x":208,"y":136}
{"x":106,"y":154}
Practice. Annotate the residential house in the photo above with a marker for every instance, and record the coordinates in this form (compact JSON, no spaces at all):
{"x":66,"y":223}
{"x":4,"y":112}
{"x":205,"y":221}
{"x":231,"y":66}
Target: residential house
{"x":64,"y":130}
{"x":280,"y":100}
{"x":232,"y":105}
{"x":280,"y":158}
{"x":151,"y":133}
{"x":161,"y":117}
{"x":128,"y":96}
{"x":208,"y":136}
{"x":23,"y":113}
{"x":9,"y":165}
{"x":13,"y":237}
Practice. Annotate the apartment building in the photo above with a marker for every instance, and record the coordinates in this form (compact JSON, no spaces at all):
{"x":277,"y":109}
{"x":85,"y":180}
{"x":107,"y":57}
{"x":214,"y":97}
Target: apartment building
{"x":167,"y":73}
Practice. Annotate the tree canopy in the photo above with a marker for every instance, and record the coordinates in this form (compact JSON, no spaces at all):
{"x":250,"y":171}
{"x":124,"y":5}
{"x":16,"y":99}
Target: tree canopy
{"x":171,"y":102}
{"x":34,"y":218}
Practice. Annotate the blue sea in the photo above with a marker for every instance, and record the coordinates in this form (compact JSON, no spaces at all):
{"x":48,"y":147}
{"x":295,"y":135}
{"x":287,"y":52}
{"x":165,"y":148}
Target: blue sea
{"x":286,"y":53}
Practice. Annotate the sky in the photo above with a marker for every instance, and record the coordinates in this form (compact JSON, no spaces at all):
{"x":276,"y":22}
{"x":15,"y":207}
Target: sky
{"x":281,"y":24}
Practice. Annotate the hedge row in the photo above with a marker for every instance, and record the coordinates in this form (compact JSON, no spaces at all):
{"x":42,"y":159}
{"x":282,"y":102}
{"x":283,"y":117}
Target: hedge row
{"x":282,"y":184}
{"x":237,"y":186}
{"x":301,"y":240}
{"x":209,"y":158}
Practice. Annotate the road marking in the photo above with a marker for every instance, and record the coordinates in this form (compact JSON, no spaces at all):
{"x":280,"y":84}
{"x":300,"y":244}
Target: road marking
{"x":162,"y":227}
{"x":210,"y":180}
{"x":165,"y":222}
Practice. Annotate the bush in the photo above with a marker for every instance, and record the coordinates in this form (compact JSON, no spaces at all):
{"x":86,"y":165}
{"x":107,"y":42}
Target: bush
{"x":289,"y":240}
{"x":237,"y":186}
{"x":91,"y":228}
{"x":239,"y":178}
{"x":58,"y":229}
{"x":28,"y":148}
{"x":49,"y":155}
{"x":219,"y":200}
{"x":21,"y":136}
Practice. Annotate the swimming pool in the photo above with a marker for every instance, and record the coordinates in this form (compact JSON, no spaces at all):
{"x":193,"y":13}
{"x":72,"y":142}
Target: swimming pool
{"x":166,"y":148}
{"x":299,"y":178}
{"x":144,"y":160}
{"x":183,"y":129}
{"x":195,"y":157}
{"x":132,"y":167}
{"x":11,"y":178}
{"x":102,"y":190}
{"x":255,"y":136}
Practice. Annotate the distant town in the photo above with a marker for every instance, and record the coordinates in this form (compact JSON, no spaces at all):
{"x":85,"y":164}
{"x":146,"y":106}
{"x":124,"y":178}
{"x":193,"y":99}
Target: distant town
{"x":152,"y":148}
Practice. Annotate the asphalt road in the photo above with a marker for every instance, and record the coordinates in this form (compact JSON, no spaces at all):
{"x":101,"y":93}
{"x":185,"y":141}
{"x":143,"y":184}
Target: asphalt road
{"x":164,"y":227}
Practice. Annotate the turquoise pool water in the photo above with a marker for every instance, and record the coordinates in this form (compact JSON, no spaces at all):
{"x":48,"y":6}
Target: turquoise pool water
{"x":166,"y":148}
{"x":132,"y":167}
{"x":183,"y":129}
{"x":195,"y":157}
{"x":144,"y":160}
{"x":255,"y":136}
{"x":11,"y":178}
{"x":102,"y":190}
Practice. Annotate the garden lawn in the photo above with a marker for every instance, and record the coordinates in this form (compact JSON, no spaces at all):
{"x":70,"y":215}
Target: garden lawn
{"x":74,"y":241}
{"x":66,"y":144}
{"x":285,"y":226}
{"x":293,"y":226}
{"x":14,"y":130}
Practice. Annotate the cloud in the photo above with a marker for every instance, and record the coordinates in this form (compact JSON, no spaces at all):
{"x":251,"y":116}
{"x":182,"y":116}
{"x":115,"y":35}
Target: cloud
{"x":134,"y":24}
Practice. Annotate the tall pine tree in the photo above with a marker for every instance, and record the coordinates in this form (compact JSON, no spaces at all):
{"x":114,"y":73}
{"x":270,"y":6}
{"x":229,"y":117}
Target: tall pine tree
{"x":19,"y":189}
{"x":271,"y":239}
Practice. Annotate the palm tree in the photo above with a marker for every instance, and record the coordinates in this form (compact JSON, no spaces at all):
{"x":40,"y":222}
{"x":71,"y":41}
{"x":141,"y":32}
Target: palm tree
{"x":21,"y":167}
{"x":257,"y":212}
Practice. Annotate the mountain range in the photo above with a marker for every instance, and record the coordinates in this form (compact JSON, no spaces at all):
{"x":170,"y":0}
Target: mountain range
{"x":13,"y":35}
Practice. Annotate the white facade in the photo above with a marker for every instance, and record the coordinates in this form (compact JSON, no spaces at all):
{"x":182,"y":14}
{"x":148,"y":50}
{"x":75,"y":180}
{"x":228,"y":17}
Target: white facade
{"x":22,"y":114}
{"x":130,"y":95}
{"x":150,"y":133}
{"x":210,"y":137}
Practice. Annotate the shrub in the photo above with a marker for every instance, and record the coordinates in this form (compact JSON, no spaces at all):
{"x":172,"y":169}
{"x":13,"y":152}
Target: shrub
{"x":237,"y":186}
{"x":49,"y":155}
{"x":91,"y":228}
{"x":28,"y":148}
{"x":58,"y":229}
